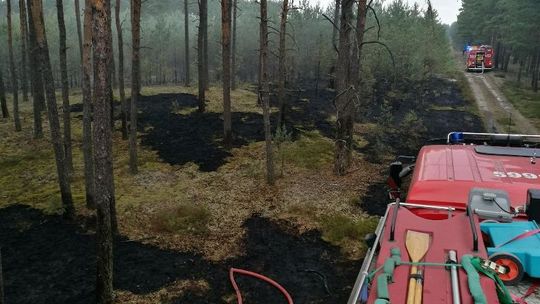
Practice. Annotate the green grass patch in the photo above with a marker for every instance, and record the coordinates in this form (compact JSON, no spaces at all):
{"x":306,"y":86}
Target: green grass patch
{"x":312,"y":151}
{"x":185,"y":218}
{"x":338,"y":229}
{"x":525,"y":100}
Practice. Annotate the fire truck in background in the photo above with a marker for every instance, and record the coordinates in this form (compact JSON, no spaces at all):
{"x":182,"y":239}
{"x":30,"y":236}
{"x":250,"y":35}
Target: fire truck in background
{"x":479,"y":58}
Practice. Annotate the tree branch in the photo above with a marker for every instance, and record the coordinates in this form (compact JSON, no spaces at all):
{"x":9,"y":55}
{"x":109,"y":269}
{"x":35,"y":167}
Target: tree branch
{"x":376,"y":19}
{"x":387,"y":49}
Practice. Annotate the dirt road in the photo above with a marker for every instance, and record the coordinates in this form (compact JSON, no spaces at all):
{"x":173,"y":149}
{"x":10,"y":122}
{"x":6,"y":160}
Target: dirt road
{"x":497,"y":112}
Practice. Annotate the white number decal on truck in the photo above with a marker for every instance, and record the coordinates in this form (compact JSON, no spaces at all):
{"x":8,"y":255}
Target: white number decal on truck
{"x":515,"y":175}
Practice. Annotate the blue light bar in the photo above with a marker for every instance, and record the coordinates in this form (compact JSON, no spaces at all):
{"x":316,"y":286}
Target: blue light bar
{"x":456,"y":138}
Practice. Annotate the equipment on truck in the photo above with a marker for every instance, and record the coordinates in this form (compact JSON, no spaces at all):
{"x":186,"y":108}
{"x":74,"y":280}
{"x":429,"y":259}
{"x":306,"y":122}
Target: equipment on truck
{"x":477,"y":196}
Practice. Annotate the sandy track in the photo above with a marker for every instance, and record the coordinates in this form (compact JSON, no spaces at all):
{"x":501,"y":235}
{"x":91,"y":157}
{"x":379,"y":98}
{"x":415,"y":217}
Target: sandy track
{"x":495,"y":108}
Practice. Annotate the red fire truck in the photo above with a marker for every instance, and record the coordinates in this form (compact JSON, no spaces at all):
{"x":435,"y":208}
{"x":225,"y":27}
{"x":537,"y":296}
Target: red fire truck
{"x":479,"y":58}
{"x":467,"y":227}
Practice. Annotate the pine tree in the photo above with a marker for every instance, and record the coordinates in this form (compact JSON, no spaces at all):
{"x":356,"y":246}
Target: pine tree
{"x":45,"y":69}
{"x":135,"y":81}
{"x":13,"y":71}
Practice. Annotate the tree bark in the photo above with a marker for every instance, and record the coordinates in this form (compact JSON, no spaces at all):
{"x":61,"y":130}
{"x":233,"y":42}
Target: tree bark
{"x":65,"y":84}
{"x":79,"y":30}
{"x":344,"y":98}
{"x":135,"y":82}
{"x":3,"y":101}
{"x":13,"y":72}
{"x":264,"y":92}
{"x":24,"y":49}
{"x":102,"y":140}
{"x":54,"y":123}
{"x":111,"y":66}
{"x":226,"y":58}
{"x":121,"y":70}
{"x":36,"y":81}
{"x":335,"y":28}
{"x":186,"y":42}
{"x":357,"y":49}
{"x":205,"y":47}
{"x":282,"y":72}
{"x":87,"y":108}
{"x":233,"y":59}
{"x":200,"y":55}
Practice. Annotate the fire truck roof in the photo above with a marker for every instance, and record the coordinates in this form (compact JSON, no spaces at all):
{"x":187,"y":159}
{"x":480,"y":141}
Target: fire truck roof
{"x":444,"y":174}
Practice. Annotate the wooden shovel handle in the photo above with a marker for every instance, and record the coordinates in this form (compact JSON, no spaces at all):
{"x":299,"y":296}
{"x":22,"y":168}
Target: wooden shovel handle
{"x":412,"y":287}
{"x":418,"y":292}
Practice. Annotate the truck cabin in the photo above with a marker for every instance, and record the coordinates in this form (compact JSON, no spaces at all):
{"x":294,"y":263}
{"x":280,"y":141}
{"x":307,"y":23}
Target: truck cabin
{"x":499,"y":170}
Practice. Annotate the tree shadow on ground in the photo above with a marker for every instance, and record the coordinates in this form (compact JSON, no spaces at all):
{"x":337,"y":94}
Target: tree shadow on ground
{"x":47,"y":260}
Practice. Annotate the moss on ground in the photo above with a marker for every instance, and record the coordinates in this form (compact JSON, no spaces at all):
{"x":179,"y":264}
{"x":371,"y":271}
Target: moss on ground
{"x":338,"y":229}
{"x":312,"y":151}
{"x":184,"y":218}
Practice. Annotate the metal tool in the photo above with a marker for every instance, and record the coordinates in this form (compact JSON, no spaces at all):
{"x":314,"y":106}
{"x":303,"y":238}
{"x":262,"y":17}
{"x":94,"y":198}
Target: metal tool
{"x":452,"y":259}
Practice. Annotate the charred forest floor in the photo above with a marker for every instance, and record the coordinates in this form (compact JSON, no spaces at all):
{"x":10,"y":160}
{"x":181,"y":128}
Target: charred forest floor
{"x":196,"y":209}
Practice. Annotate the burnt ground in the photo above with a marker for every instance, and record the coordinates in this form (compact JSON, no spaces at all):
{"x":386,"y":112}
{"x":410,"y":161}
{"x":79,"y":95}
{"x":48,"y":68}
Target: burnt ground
{"x":41,"y":250}
{"x":196,"y":137}
{"x":48,"y":260}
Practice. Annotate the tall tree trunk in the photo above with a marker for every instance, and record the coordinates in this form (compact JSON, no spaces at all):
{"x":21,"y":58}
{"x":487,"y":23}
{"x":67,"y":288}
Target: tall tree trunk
{"x":226,"y":58}
{"x":186,"y":42}
{"x":533,"y":73}
{"x":87,"y":108}
{"x":507,"y":60}
{"x":121,"y":69}
{"x":357,"y":48}
{"x":335,"y":28}
{"x":102,"y":135}
{"x":520,"y":72}
{"x":13,"y":72}
{"x":36,"y":81}
{"x":24,"y":49}
{"x":344,"y":99}
{"x":282,"y":58}
{"x":264,"y":92}
{"x":54,"y":123}
{"x":536,"y":72}
{"x":135,"y":81}
{"x":79,"y":30}
{"x":112,"y":69}
{"x":65,"y":84}
{"x":233,"y":60}
{"x":200,"y":55}
{"x":530,"y":59}
{"x":497,"y":54}
{"x":205,"y":46}
{"x":3,"y":101}
{"x":502,"y":56}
